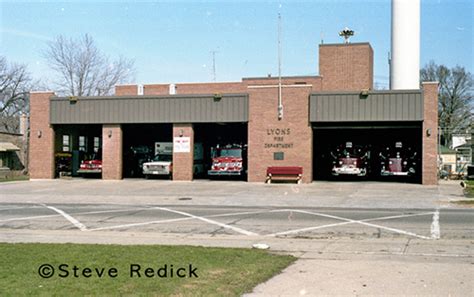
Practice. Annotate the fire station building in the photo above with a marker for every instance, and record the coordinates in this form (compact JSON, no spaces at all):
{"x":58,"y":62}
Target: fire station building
{"x":319,"y":113}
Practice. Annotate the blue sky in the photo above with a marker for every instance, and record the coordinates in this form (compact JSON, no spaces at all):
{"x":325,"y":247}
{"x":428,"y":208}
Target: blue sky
{"x":171,"y":41}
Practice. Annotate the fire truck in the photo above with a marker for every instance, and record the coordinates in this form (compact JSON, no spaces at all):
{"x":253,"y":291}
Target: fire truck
{"x":228,"y":160}
{"x":350,"y":160}
{"x":92,"y":165}
{"x":398,"y":160}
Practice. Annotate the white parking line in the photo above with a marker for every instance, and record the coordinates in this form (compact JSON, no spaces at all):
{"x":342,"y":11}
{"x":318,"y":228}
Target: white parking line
{"x":24,"y":207}
{"x":236,"y":229}
{"x":435,"y":230}
{"x":173,"y":220}
{"x":140,"y":224}
{"x":29,"y":218}
{"x":75,"y":222}
{"x":79,"y":213}
{"x":350,"y":221}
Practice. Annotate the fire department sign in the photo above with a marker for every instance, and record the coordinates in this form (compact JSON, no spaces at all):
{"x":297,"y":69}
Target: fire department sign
{"x":182,"y":144}
{"x":277,"y":139}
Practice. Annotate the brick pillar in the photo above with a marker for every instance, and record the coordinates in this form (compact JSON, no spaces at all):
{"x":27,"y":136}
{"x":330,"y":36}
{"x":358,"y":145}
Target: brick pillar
{"x":291,"y":135}
{"x":430,"y":126}
{"x":112,"y":138}
{"x":41,"y":147}
{"x":183,"y":162}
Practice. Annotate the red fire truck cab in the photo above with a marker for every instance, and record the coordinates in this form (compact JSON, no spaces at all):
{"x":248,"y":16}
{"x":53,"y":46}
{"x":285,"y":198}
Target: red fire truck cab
{"x":228,"y":160}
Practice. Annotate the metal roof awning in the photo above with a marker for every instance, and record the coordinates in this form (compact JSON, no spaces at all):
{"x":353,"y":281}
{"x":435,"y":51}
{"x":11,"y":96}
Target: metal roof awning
{"x":213,"y":108}
{"x":367,"y":106}
{"x":8,"y":147}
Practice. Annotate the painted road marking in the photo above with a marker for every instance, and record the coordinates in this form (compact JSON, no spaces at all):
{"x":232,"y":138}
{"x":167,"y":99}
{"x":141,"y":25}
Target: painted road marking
{"x":79,"y":213}
{"x":350,"y":221}
{"x":435,"y":230}
{"x":75,"y":222}
{"x":139,"y":224}
{"x":30,"y":218}
{"x":173,"y":220}
{"x":236,"y":229}
{"x":24,"y":207}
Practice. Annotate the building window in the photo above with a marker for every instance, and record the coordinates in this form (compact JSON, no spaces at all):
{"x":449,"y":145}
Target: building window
{"x":82,"y":143}
{"x":96,"y":144}
{"x":66,"y":143}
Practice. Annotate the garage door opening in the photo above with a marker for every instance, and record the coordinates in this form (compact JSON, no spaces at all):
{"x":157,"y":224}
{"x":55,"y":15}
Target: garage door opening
{"x":224,"y":150}
{"x":143,"y":143}
{"x":368,"y":151}
{"x":78,"y":150}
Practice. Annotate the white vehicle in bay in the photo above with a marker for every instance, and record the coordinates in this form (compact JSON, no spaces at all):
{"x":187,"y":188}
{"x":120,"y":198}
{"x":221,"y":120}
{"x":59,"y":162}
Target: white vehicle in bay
{"x":162,"y":163}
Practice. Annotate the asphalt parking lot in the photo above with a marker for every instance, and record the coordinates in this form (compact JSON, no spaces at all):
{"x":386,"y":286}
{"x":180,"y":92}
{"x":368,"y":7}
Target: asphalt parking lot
{"x":244,"y":221}
{"x":318,"y":210}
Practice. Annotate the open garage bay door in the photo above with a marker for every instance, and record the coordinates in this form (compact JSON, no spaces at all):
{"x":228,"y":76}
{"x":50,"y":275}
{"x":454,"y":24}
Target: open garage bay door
{"x":371,"y":151}
{"x":368,"y":135}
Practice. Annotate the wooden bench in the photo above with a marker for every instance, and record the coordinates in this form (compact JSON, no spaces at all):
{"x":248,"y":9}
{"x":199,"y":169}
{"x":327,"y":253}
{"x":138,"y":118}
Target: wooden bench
{"x":284,"y":173}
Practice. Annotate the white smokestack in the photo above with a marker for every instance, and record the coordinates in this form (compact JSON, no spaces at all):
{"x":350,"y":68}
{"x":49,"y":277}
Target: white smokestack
{"x":405,"y":53}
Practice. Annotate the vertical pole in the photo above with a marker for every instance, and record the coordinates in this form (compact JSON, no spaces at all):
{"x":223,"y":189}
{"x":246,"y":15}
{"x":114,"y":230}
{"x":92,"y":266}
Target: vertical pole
{"x":214,"y":65}
{"x":280,"y":105}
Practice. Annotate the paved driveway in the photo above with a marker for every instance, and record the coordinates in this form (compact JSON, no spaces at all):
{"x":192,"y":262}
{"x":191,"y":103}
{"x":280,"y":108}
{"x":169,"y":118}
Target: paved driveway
{"x":236,"y":208}
{"x":243,"y":221}
{"x":225,"y":193}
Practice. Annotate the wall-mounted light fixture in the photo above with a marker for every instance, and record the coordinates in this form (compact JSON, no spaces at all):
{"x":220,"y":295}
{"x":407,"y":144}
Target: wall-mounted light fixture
{"x":109,"y":133}
{"x":428,"y":132}
{"x":217,"y":97}
{"x":39,"y":133}
{"x":181,"y":133}
{"x":364,"y":93}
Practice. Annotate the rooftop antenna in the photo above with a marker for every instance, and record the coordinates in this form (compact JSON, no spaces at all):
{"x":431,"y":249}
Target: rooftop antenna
{"x":280,"y":105}
{"x":346,"y":33}
{"x":322,"y":37}
{"x":214,"y":64}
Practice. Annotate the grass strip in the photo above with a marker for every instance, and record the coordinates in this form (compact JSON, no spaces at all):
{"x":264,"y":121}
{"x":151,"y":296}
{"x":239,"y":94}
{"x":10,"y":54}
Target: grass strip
{"x":220,"y":271}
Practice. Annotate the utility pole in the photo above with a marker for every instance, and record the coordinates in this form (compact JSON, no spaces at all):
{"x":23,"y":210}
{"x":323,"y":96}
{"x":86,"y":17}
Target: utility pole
{"x":214,"y":64}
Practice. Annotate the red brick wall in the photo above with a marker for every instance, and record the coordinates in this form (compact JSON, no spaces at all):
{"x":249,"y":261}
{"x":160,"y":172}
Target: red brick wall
{"x":346,"y":67}
{"x":156,"y":89}
{"x":183,"y":162}
{"x":124,"y":90}
{"x":430,"y":143}
{"x":210,"y":88}
{"x":41,"y":149}
{"x":263,"y":125}
{"x":314,"y":81}
{"x":112,"y":152}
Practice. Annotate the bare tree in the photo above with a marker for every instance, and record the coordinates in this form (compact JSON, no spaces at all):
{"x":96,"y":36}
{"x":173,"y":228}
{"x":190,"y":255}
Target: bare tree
{"x":15,"y":83}
{"x":455,"y":107}
{"x":83,"y":70}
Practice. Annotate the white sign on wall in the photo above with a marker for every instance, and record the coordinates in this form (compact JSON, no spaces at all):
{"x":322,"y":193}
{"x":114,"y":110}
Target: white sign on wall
{"x":182,"y":144}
